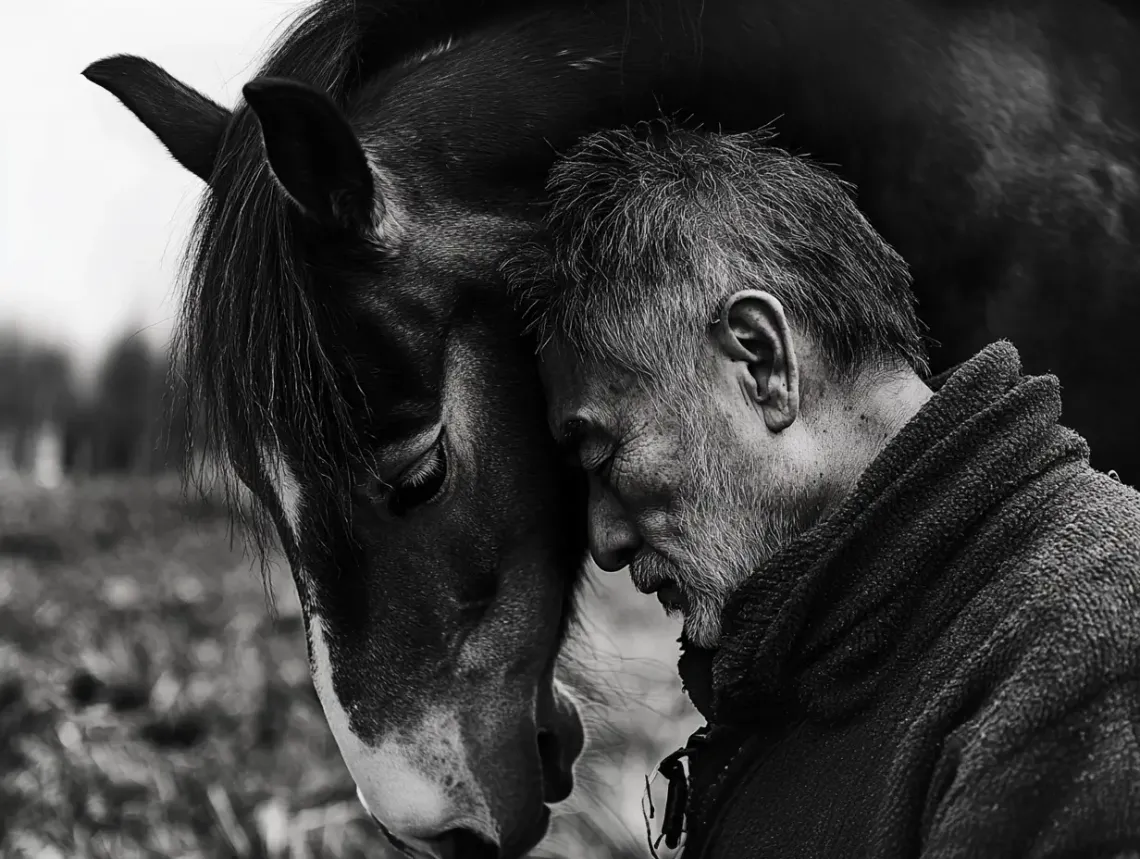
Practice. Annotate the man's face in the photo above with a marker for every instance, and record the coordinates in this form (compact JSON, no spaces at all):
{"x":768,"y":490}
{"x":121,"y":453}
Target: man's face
{"x":688,"y":490}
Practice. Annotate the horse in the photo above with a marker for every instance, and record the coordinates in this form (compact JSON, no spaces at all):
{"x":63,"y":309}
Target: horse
{"x":349,"y":346}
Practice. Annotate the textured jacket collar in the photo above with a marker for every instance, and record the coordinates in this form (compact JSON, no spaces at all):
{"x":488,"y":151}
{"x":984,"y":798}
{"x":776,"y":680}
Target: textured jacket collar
{"x":814,"y":629}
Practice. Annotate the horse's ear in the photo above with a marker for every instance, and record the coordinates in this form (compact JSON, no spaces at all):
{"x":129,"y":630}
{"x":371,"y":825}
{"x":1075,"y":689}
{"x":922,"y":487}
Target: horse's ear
{"x":189,"y":125}
{"x":313,"y":151}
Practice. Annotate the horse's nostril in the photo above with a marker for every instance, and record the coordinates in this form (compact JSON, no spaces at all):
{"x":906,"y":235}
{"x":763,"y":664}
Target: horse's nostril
{"x":557,"y":773}
{"x":453,"y":844}
{"x":464,"y":844}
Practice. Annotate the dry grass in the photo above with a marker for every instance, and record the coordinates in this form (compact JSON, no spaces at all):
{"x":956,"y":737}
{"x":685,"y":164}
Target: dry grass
{"x":152,"y":706}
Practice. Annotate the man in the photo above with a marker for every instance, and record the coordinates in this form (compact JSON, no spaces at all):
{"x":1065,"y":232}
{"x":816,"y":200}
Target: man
{"x":911,"y":609}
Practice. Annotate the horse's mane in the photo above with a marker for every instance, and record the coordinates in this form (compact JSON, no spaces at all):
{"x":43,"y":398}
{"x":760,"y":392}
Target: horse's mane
{"x":249,"y":354}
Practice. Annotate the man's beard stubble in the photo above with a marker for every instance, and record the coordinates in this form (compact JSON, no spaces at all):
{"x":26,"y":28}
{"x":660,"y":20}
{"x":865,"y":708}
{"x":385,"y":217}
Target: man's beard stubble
{"x":727,"y":519}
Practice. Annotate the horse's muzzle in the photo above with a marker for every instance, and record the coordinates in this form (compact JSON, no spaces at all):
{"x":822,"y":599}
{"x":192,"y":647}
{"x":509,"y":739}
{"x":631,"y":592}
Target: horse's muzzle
{"x":455,"y":844}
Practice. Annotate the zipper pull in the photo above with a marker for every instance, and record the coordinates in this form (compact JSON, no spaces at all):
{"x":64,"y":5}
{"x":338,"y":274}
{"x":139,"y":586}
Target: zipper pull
{"x":676,"y":801}
{"x":677,"y":798}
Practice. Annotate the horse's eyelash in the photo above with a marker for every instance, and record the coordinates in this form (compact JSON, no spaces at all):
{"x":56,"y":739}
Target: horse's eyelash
{"x":424,"y":470}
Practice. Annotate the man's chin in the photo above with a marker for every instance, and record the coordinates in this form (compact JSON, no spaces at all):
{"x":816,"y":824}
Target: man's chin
{"x":691,"y":641}
{"x":695,"y":668}
{"x":700,"y":626}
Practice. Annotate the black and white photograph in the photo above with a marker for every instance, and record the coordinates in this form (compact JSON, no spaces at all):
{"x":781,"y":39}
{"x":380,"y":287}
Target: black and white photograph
{"x":570,"y":429}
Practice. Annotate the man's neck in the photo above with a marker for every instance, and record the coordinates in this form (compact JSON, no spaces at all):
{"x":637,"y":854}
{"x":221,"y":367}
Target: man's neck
{"x":889,"y":402}
{"x":869,"y":414}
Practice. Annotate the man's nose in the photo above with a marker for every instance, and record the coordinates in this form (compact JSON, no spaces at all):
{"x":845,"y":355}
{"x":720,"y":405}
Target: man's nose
{"x":614,"y":540}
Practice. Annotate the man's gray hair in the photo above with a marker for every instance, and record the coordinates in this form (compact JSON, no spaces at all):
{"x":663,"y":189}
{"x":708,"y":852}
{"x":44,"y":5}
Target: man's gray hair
{"x":651,"y":228}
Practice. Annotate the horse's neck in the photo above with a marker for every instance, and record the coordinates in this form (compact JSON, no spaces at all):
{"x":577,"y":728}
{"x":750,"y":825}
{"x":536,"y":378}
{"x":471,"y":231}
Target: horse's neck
{"x":738,"y":64}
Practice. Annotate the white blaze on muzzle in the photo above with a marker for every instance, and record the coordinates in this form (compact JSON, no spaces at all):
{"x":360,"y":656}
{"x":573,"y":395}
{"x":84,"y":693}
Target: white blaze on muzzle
{"x":417,"y":781}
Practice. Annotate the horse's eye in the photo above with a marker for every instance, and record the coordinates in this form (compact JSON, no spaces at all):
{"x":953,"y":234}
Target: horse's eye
{"x":421,"y":483}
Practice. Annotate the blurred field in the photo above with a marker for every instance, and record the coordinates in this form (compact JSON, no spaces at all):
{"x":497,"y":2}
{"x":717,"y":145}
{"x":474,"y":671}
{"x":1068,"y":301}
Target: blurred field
{"x":151,"y":704}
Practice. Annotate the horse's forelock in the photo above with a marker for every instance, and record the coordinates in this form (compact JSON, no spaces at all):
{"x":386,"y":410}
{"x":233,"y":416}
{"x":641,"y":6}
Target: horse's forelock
{"x":255,"y":365}
{"x":248,"y":340}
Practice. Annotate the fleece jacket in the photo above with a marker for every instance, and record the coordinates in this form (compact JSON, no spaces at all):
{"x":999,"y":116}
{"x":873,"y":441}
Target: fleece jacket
{"x":946,"y":666}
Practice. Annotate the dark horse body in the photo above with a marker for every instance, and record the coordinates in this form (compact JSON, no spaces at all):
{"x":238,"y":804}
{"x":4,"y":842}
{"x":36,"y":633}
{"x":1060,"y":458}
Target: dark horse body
{"x":348,"y":342}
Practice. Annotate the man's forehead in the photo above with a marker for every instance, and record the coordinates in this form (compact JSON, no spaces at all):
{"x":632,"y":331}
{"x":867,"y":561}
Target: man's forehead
{"x":578,"y":389}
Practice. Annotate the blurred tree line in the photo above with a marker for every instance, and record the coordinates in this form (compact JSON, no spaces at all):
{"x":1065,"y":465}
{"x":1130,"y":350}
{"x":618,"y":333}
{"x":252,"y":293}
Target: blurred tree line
{"x":126,"y":421}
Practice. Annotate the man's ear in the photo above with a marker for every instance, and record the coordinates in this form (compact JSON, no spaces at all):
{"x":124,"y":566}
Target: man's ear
{"x":753,"y":329}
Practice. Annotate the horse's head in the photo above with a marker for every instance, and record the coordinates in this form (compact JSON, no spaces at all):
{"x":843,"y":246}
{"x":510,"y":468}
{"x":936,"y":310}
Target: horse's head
{"x":344,"y":339}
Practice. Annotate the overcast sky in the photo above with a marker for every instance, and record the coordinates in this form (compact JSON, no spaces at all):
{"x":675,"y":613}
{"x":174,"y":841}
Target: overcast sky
{"x":95,"y":214}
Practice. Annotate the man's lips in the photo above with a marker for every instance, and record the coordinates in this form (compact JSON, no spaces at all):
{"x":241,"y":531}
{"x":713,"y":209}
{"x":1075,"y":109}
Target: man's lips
{"x":672,"y":597}
{"x":669,"y":593}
